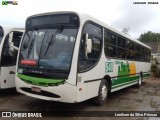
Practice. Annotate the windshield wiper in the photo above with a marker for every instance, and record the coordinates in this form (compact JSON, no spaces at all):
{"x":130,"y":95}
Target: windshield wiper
{"x":31,"y":43}
{"x":52,"y":40}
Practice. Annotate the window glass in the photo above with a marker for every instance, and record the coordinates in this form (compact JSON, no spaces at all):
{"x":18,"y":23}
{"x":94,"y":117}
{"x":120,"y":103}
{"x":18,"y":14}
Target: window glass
{"x":16,"y":38}
{"x":58,"y":55}
{"x":121,"y":42}
{"x":145,"y":51}
{"x":89,"y":60}
{"x":130,"y":45}
{"x":142,"y":49}
{"x":9,"y":54}
{"x":110,"y":38}
{"x":141,"y":57}
{"x":137,"y":56}
{"x":93,"y":30}
{"x":96,"y":47}
{"x":130,"y":55}
{"x":137,"y":48}
{"x":110,"y":51}
{"x":121,"y":53}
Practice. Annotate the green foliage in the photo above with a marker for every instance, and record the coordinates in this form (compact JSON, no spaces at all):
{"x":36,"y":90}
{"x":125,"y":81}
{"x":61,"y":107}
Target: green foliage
{"x":149,"y":37}
{"x":155,"y":67}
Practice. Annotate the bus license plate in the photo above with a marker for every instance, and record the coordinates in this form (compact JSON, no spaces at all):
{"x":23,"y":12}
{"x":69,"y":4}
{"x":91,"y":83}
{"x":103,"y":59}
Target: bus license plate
{"x":36,"y":89}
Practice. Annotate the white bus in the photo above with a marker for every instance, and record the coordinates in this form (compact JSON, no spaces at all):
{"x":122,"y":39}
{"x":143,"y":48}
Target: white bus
{"x":71,"y":57}
{"x":9,"y":43}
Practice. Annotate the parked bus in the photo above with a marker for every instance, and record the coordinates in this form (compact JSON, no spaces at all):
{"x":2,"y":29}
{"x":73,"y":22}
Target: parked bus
{"x":9,"y":43}
{"x":71,"y":57}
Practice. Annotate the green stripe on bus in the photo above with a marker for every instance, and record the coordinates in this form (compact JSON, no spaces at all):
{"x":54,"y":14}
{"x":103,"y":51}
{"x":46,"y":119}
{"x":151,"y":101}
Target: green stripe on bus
{"x":40,"y":81}
{"x":120,"y":81}
{"x":146,"y":75}
{"x":124,"y":84}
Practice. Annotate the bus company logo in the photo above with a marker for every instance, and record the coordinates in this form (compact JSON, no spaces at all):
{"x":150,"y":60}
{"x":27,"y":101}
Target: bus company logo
{"x":10,"y":2}
{"x":109,"y":67}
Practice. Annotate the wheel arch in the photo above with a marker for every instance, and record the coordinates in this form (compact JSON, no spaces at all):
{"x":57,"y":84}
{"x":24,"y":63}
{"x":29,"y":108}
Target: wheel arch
{"x":109,"y":82}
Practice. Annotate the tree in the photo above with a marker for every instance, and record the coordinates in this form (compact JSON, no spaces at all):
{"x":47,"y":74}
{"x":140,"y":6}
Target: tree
{"x":149,"y":37}
{"x":155,"y":67}
{"x":126,"y":30}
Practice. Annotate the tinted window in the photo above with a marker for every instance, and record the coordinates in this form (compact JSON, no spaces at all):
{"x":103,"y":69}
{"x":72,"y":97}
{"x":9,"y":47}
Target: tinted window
{"x":142,"y":57}
{"x":121,"y":53}
{"x":121,"y":42}
{"x":17,"y":38}
{"x":130,"y":55}
{"x":130,"y":45}
{"x":137,"y":48}
{"x":137,"y":56}
{"x":142,"y":49}
{"x":110,"y":51}
{"x":110,"y":38}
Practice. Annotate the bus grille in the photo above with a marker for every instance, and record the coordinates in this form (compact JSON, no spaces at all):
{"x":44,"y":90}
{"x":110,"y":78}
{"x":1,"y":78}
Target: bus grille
{"x":43,"y":93}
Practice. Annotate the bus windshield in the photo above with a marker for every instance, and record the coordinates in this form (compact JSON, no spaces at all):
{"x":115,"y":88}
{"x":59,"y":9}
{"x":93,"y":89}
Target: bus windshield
{"x":51,"y":48}
{"x":1,"y":34}
{"x":1,"y":37}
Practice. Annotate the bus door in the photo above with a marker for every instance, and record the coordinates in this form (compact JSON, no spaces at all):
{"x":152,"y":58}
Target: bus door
{"x":9,"y":58}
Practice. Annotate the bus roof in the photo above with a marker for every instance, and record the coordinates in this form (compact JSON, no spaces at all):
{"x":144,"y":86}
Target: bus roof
{"x":8,"y":28}
{"x":84,"y":17}
{"x":88,"y":17}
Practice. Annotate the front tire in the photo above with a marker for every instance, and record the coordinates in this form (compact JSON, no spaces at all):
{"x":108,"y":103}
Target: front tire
{"x":102,"y":94}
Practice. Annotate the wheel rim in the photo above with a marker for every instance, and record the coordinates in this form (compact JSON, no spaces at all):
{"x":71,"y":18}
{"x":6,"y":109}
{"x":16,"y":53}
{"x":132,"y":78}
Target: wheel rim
{"x":104,"y":92}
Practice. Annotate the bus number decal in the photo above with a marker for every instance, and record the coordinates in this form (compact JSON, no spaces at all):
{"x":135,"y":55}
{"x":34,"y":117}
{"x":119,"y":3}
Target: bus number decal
{"x":109,"y":67}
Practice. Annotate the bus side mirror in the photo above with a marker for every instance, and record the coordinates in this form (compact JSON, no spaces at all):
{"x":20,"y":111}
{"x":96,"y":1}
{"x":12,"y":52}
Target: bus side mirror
{"x":88,"y":45}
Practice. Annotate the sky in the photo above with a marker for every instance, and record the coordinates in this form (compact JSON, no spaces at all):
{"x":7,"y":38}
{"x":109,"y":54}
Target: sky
{"x":119,"y":14}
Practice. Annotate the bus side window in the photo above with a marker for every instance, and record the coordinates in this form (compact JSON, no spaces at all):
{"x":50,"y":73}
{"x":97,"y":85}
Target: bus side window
{"x":109,"y":44}
{"x":121,"y":48}
{"x":9,"y":55}
{"x":95,"y":34}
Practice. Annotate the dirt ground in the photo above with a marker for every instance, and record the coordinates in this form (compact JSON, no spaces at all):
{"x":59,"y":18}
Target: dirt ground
{"x":143,"y":98}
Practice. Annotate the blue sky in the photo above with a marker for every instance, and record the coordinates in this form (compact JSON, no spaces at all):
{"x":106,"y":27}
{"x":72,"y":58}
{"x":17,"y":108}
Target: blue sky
{"x":117,"y":13}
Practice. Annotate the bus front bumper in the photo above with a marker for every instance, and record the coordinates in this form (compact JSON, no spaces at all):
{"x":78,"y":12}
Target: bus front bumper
{"x":62,"y":93}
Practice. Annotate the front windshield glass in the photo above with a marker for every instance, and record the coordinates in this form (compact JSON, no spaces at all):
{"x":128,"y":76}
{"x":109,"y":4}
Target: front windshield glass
{"x":51,"y":48}
{"x":1,"y":38}
{"x":1,"y":34}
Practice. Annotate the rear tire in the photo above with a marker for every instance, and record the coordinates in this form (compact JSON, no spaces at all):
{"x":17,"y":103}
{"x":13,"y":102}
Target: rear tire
{"x":102,"y":94}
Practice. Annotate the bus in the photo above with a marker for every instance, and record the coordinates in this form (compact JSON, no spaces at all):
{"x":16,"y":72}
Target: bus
{"x":10,"y":38}
{"x":71,"y":57}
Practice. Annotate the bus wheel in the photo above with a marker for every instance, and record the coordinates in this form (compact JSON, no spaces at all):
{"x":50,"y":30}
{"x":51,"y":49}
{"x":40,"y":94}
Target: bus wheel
{"x":102,"y":94}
